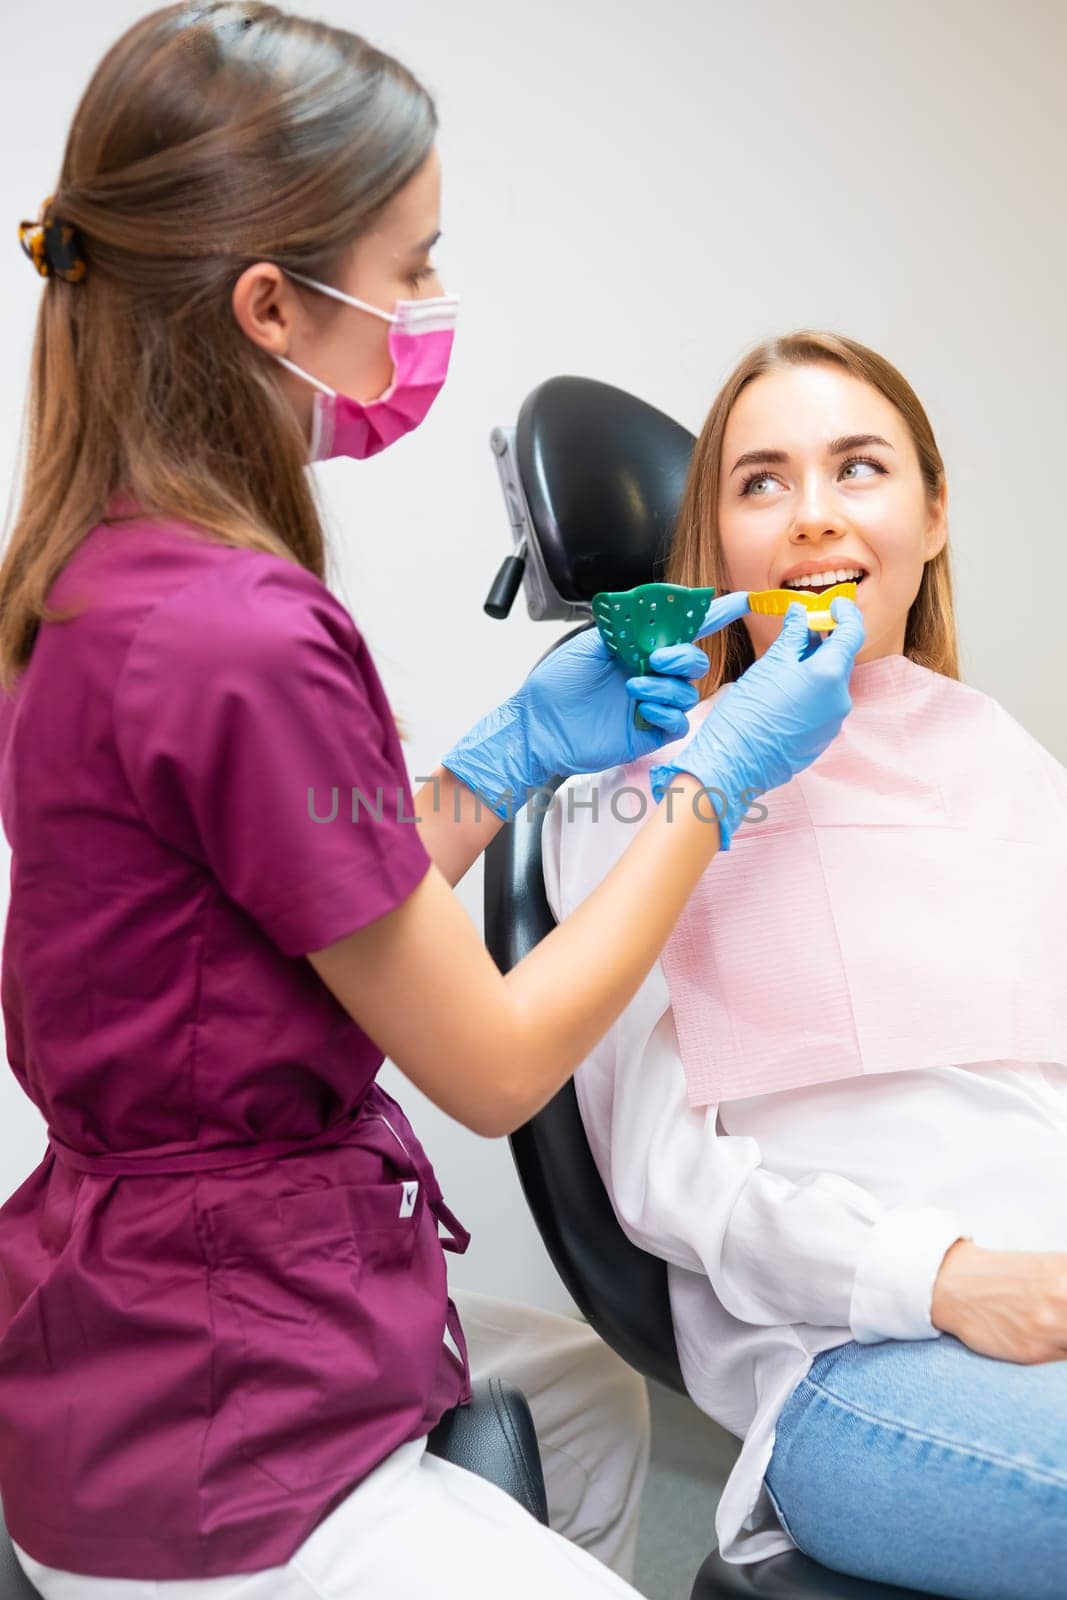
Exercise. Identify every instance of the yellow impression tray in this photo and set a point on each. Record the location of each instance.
(776, 602)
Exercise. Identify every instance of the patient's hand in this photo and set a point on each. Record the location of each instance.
(1009, 1304)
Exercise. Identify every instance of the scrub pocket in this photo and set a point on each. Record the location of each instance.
(304, 1288)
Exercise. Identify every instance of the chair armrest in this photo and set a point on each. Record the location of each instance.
(494, 1437)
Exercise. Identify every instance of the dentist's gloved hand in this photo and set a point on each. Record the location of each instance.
(575, 713)
(775, 720)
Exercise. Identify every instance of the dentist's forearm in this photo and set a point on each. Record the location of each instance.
(454, 825)
(573, 985)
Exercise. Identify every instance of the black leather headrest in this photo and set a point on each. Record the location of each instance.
(603, 474)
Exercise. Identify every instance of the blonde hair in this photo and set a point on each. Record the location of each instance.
(696, 556)
(210, 136)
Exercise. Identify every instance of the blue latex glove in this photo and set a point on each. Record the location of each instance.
(775, 720)
(575, 713)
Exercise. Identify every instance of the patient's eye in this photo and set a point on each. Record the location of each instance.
(755, 485)
(749, 484)
(862, 461)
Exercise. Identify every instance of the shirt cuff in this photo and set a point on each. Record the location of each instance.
(898, 1266)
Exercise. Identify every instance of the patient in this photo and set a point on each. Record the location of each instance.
(837, 1107)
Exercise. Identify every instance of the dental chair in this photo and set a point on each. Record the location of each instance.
(493, 1436)
(592, 479)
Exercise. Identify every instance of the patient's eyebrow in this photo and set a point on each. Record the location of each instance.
(427, 244)
(836, 447)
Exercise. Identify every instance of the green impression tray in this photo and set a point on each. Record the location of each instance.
(634, 622)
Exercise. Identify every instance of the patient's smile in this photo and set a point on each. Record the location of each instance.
(818, 578)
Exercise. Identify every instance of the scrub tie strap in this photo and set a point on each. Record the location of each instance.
(165, 1163)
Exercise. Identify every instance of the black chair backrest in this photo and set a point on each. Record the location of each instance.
(603, 474)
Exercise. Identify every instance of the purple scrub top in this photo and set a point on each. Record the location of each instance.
(223, 1297)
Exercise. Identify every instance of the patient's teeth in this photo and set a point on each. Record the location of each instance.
(822, 580)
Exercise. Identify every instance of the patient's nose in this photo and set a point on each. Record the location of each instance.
(817, 515)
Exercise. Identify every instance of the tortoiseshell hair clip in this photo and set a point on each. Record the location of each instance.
(53, 246)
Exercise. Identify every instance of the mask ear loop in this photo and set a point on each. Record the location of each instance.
(316, 411)
(347, 299)
(324, 387)
(414, 310)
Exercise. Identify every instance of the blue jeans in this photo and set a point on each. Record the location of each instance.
(923, 1464)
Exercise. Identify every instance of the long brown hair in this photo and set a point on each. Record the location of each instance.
(696, 556)
(210, 136)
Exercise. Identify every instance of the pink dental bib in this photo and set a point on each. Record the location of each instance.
(902, 905)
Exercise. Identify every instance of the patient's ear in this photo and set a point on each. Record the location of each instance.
(937, 524)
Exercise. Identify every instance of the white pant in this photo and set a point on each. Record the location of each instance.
(419, 1526)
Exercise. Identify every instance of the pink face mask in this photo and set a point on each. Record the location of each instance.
(420, 343)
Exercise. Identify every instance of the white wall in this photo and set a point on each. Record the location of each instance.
(637, 193)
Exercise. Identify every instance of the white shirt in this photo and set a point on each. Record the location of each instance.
(796, 1221)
